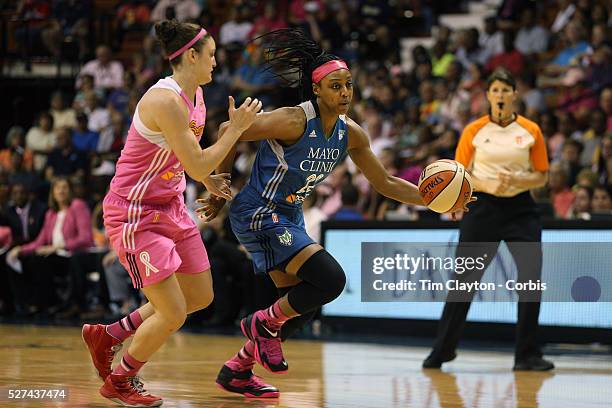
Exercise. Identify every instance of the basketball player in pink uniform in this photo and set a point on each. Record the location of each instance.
(145, 215)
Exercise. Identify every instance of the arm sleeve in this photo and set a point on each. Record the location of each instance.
(538, 155)
(465, 149)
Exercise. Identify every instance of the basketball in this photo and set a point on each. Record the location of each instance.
(445, 186)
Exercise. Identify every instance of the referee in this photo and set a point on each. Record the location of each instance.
(506, 154)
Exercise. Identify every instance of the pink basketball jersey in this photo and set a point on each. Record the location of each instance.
(147, 170)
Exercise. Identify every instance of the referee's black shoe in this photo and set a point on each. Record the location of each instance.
(434, 360)
(534, 363)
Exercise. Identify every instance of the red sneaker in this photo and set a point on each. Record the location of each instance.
(102, 347)
(128, 391)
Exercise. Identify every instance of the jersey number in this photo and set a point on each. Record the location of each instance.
(311, 182)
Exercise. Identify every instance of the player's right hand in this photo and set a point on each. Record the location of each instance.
(243, 117)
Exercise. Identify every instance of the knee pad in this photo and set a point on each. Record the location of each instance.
(324, 272)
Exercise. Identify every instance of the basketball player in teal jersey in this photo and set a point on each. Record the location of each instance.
(301, 146)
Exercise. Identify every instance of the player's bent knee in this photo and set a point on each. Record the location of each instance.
(176, 321)
(202, 302)
(173, 318)
(337, 281)
(323, 271)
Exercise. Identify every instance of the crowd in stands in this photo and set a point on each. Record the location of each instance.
(55, 172)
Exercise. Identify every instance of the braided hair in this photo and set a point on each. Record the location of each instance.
(292, 57)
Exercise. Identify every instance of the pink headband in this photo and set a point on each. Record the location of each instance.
(185, 47)
(331, 66)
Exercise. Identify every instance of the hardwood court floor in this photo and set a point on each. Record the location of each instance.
(321, 375)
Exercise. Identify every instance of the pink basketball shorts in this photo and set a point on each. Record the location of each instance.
(153, 241)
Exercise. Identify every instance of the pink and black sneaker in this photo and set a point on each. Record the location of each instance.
(268, 350)
(245, 383)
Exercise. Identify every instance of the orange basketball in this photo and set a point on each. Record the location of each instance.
(445, 186)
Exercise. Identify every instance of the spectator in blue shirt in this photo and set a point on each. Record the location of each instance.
(83, 139)
(349, 211)
(576, 35)
(64, 160)
(253, 79)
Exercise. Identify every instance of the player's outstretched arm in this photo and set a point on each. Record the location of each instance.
(284, 124)
(386, 184)
(171, 116)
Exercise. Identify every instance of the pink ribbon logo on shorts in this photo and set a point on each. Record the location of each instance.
(146, 260)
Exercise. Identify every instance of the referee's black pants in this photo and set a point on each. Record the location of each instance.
(490, 220)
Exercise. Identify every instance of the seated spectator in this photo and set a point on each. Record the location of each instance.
(19, 173)
(581, 207)
(591, 139)
(86, 86)
(531, 38)
(118, 98)
(586, 178)
(510, 58)
(554, 139)
(236, 30)
(98, 117)
(429, 103)
(143, 74)
(112, 137)
(40, 139)
(15, 144)
(440, 59)
(469, 51)
(349, 211)
(599, 67)
(602, 200)
(561, 196)
(66, 231)
(107, 74)
(251, 79)
(570, 159)
(530, 94)
(602, 157)
(473, 83)
(62, 116)
(64, 160)
(83, 139)
(451, 102)
(24, 216)
(491, 39)
(605, 103)
(272, 19)
(577, 45)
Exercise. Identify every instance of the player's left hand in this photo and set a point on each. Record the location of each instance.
(219, 185)
(210, 207)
